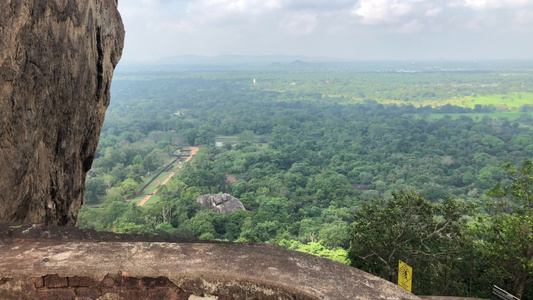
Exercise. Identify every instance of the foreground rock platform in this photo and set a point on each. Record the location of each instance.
(40, 262)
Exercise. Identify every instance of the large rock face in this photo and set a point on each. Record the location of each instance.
(56, 64)
(224, 203)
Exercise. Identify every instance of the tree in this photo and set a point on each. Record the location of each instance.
(407, 228)
(94, 190)
(129, 187)
(205, 135)
(246, 136)
(113, 208)
(507, 237)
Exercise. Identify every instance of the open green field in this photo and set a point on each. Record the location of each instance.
(511, 101)
(153, 200)
(153, 185)
(501, 101)
(163, 176)
(150, 190)
(146, 179)
(232, 139)
(512, 116)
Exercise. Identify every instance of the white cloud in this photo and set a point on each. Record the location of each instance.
(411, 27)
(384, 11)
(157, 28)
(300, 23)
(524, 17)
(219, 10)
(409, 16)
(491, 4)
(177, 26)
(433, 11)
(318, 5)
(138, 8)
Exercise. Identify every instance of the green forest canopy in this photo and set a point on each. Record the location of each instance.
(315, 150)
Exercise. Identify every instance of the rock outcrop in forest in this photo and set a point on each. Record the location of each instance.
(223, 203)
(56, 66)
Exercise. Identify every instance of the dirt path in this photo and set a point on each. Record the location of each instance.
(193, 153)
(230, 178)
(168, 178)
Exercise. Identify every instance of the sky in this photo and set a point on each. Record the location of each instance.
(354, 29)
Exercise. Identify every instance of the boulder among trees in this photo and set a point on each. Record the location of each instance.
(221, 203)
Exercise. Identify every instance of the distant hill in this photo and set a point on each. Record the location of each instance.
(245, 59)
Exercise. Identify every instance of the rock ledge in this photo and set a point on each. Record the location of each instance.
(50, 265)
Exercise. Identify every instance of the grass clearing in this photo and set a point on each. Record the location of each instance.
(227, 139)
(150, 190)
(147, 179)
(230, 178)
(153, 200)
(515, 100)
(234, 139)
(163, 176)
(502, 101)
(512, 116)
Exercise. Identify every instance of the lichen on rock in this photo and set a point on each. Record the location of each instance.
(56, 66)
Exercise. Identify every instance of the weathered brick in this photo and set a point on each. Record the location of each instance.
(108, 281)
(110, 290)
(184, 295)
(127, 281)
(81, 281)
(55, 281)
(88, 292)
(38, 282)
(133, 293)
(151, 282)
(56, 294)
(111, 296)
(163, 293)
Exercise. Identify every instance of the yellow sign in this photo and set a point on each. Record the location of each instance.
(405, 276)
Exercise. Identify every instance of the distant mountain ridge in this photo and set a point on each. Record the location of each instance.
(245, 59)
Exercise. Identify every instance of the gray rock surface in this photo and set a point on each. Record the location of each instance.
(56, 64)
(239, 271)
(221, 203)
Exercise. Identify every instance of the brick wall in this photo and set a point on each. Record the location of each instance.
(55, 287)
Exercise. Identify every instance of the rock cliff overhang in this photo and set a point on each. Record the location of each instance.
(56, 64)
